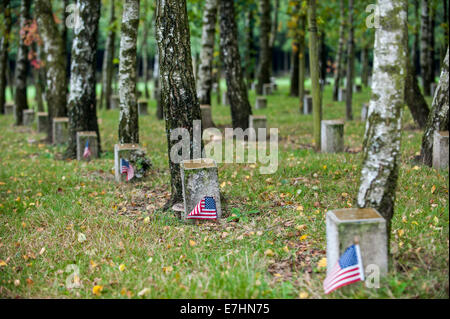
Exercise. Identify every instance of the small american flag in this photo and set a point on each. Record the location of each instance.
(348, 269)
(126, 168)
(205, 209)
(87, 150)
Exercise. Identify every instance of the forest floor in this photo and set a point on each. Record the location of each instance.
(65, 222)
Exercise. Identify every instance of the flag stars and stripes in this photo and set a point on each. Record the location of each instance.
(205, 209)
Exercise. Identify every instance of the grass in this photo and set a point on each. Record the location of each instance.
(57, 216)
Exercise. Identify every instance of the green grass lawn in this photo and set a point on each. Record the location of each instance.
(57, 216)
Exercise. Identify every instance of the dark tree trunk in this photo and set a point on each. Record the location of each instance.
(340, 52)
(82, 98)
(39, 82)
(178, 94)
(207, 53)
(365, 65)
(129, 118)
(350, 64)
(302, 61)
(265, 59)
(273, 31)
(416, 44)
(231, 60)
(55, 63)
(438, 119)
(20, 80)
(295, 64)
(4, 45)
(108, 58)
(322, 59)
(425, 46)
(250, 42)
(145, 69)
(414, 98)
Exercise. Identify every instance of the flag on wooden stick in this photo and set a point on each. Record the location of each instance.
(205, 209)
(87, 150)
(348, 270)
(126, 168)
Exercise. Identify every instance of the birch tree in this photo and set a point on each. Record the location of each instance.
(20, 78)
(438, 119)
(340, 52)
(207, 52)
(231, 61)
(381, 154)
(178, 95)
(129, 121)
(4, 45)
(265, 59)
(425, 45)
(55, 63)
(82, 109)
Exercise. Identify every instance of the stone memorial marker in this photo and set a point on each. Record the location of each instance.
(307, 104)
(366, 224)
(28, 117)
(261, 103)
(115, 102)
(129, 153)
(9, 108)
(440, 150)
(341, 95)
(199, 179)
(332, 136)
(42, 122)
(207, 121)
(60, 130)
(225, 100)
(364, 111)
(267, 89)
(91, 139)
(256, 122)
(143, 107)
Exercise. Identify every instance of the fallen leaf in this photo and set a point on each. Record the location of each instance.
(322, 263)
(122, 267)
(97, 290)
(303, 295)
(192, 243)
(143, 292)
(81, 237)
(269, 253)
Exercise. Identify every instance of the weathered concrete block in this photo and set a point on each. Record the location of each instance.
(82, 138)
(332, 136)
(343, 225)
(127, 152)
(267, 89)
(115, 102)
(307, 104)
(206, 116)
(261, 103)
(341, 94)
(9, 108)
(42, 122)
(143, 107)
(440, 150)
(28, 117)
(364, 112)
(199, 179)
(225, 100)
(60, 130)
(256, 122)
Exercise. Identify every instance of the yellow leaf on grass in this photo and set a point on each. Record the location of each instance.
(433, 189)
(122, 267)
(146, 220)
(303, 237)
(322, 263)
(168, 269)
(3, 263)
(300, 208)
(143, 292)
(303, 295)
(192, 243)
(286, 249)
(97, 290)
(400, 232)
(269, 253)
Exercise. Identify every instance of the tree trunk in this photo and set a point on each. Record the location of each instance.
(55, 63)
(365, 65)
(250, 42)
(432, 21)
(425, 46)
(273, 32)
(231, 60)
(159, 107)
(265, 59)
(178, 94)
(38, 81)
(207, 52)
(20, 80)
(340, 52)
(108, 58)
(82, 98)
(295, 64)
(302, 61)
(416, 44)
(350, 64)
(414, 98)
(129, 118)
(438, 118)
(314, 67)
(379, 171)
(4, 45)
(145, 70)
